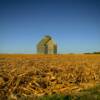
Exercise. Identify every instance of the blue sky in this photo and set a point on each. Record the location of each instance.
(73, 24)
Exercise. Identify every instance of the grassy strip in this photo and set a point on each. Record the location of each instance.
(89, 94)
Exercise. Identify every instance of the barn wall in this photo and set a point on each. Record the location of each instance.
(41, 50)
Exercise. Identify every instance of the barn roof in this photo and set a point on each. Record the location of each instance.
(45, 40)
(51, 42)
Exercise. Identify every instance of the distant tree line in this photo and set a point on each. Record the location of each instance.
(92, 53)
(96, 52)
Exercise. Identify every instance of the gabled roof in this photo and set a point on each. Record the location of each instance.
(44, 40)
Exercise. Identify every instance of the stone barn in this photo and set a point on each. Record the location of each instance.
(47, 46)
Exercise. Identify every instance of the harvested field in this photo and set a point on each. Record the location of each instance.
(28, 76)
